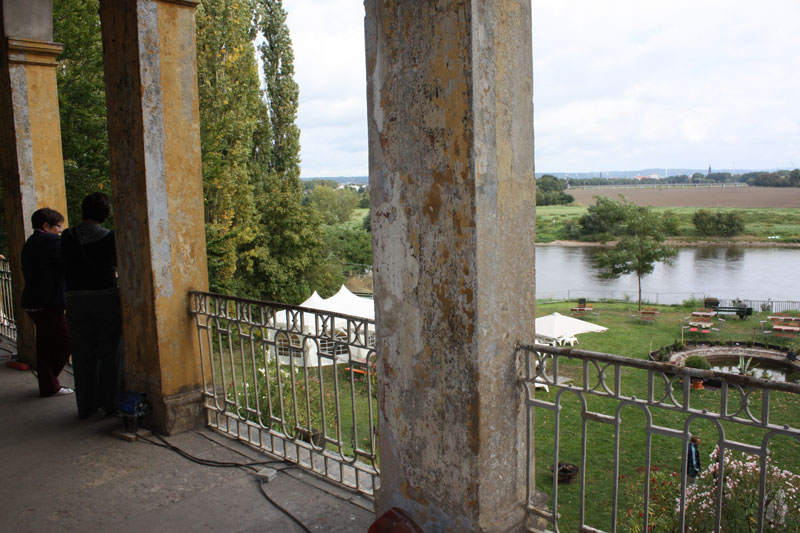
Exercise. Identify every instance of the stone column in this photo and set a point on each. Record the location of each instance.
(449, 87)
(31, 162)
(156, 175)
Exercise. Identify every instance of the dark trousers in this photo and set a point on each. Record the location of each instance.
(52, 348)
(97, 360)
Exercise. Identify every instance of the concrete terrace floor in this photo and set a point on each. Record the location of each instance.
(60, 473)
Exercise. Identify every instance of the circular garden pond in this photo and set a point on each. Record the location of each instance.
(763, 363)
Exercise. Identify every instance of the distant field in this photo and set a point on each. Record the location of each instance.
(781, 197)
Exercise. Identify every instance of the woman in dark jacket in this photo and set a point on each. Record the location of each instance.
(43, 298)
(93, 310)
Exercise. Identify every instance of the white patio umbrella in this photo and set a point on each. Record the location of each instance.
(559, 328)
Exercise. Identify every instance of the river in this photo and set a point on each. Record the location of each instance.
(720, 272)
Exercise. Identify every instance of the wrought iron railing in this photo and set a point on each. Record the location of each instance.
(8, 325)
(296, 382)
(575, 405)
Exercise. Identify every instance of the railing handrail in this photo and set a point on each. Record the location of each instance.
(8, 324)
(276, 374)
(666, 368)
(602, 394)
(251, 301)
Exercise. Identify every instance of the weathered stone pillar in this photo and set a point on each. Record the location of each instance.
(156, 175)
(453, 199)
(30, 135)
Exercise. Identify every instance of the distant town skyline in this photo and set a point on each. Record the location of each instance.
(617, 84)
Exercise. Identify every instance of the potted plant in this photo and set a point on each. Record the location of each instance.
(699, 362)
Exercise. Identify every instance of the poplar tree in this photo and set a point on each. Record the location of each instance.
(285, 259)
(261, 240)
(229, 106)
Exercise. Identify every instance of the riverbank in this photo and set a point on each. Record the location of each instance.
(745, 242)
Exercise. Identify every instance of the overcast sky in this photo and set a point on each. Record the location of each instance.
(618, 84)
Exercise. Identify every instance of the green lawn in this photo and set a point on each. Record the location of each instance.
(625, 336)
(357, 219)
(628, 337)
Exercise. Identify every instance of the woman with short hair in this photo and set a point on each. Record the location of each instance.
(43, 298)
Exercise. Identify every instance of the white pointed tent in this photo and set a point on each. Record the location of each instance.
(344, 302)
(558, 329)
(304, 349)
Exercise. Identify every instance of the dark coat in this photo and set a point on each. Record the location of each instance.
(89, 263)
(43, 270)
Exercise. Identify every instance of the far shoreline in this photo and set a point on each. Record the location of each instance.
(680, 244)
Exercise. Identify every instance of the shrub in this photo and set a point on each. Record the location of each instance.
(670, 222)
(721, 223)
(697, 361)
(693, 303)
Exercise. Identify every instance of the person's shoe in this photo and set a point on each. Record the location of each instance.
(63, 391)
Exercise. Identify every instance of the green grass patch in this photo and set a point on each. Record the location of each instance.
(626, 336)
(357, 219)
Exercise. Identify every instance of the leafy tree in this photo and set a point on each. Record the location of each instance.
(282, 92)
(363, 201)
(670, 222)
(603, 220)
(721, 223)
(720, 177)
(349, 244)
(550, 183)
(308, 185)
(285, 259)
(334, 206)
(781, 178)
(81, 100)
(553, 198)
(638, 250)
(549, 191)
(261, 241)
(229, 110)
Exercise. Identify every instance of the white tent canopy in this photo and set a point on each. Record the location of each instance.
(558, 328)
(304, 349)
(313, 301)
(344, 302)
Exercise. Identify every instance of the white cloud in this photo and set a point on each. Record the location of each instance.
(328, 39)
(618, 84)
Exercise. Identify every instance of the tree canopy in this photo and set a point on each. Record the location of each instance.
(261, 241)
(720, 223)
(640, 247)
(335, 206)
(81, 101)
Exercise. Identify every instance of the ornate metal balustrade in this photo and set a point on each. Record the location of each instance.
(8, 326)
(741, 414)
(295, 382)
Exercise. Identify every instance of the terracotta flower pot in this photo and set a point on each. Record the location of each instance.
(697, 384)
